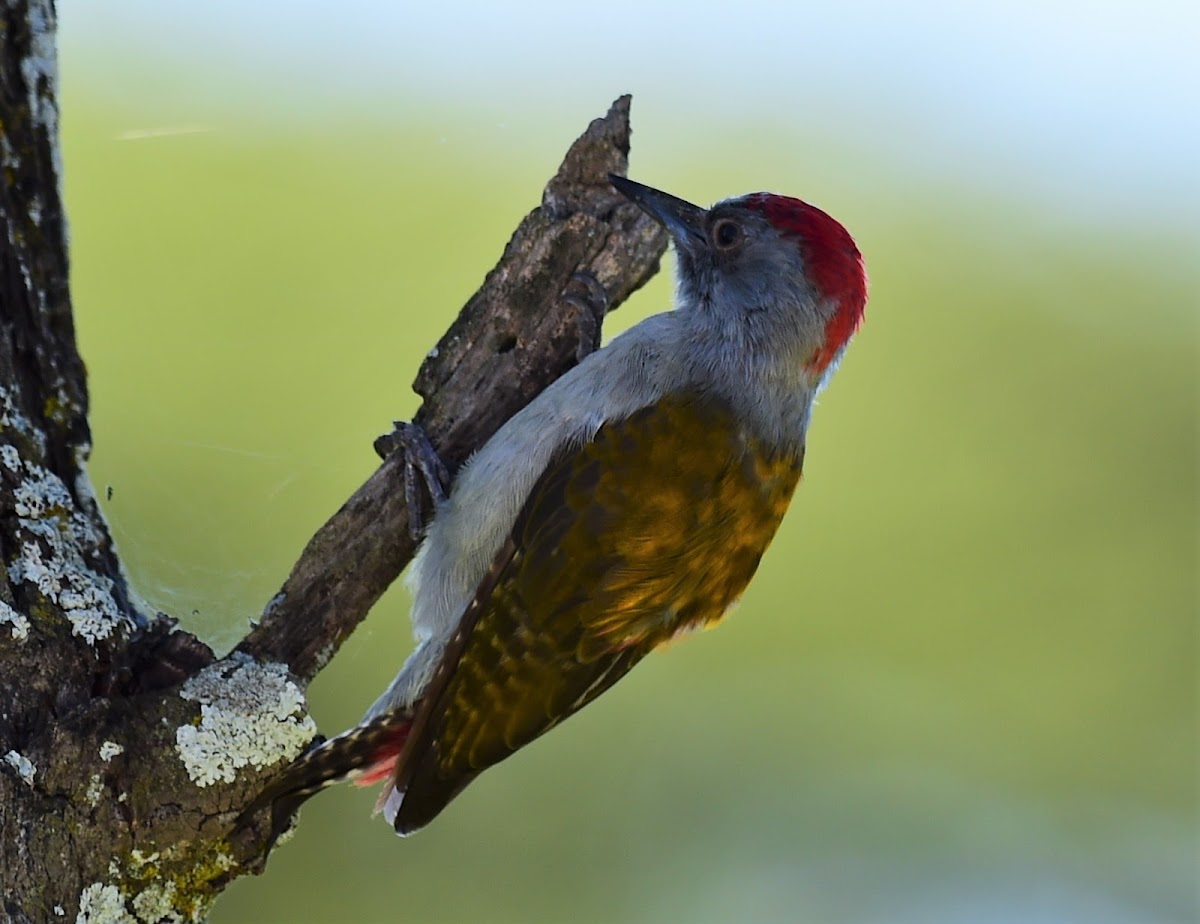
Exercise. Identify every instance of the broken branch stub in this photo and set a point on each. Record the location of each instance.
(514, 337)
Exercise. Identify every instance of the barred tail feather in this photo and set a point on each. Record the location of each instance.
(363, 755)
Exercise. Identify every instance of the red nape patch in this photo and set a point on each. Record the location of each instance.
(832, 261)
(383, 761)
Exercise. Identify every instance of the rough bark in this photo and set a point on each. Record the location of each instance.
(514, 337)
(126, 751)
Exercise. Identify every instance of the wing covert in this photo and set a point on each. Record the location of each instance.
(653, 527)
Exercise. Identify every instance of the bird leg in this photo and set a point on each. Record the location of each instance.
(587, 301)
(420, 458)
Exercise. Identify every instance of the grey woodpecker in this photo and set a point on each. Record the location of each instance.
(629, 502)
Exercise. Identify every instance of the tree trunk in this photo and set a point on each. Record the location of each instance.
(126, 749)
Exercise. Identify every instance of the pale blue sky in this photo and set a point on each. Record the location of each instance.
(1095, 102)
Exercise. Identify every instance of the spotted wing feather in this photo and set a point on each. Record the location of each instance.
(653, 527)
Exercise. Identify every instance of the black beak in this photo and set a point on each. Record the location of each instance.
(683, 221)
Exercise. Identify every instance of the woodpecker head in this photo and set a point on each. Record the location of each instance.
(773, 274)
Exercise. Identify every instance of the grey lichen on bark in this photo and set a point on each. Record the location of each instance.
(126, 750)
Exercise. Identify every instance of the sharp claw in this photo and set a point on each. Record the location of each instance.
(587, 297)
(385, 445)
(598, 293)
(419, 458)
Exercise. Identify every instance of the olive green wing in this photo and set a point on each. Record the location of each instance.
(653, 527)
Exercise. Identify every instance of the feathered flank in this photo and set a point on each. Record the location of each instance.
(630, 502)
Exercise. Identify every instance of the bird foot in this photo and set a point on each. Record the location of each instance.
(588, 302)
(420, 459)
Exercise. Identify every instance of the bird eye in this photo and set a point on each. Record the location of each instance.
(726, 234)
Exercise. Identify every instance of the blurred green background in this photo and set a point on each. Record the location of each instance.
(962, 687)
